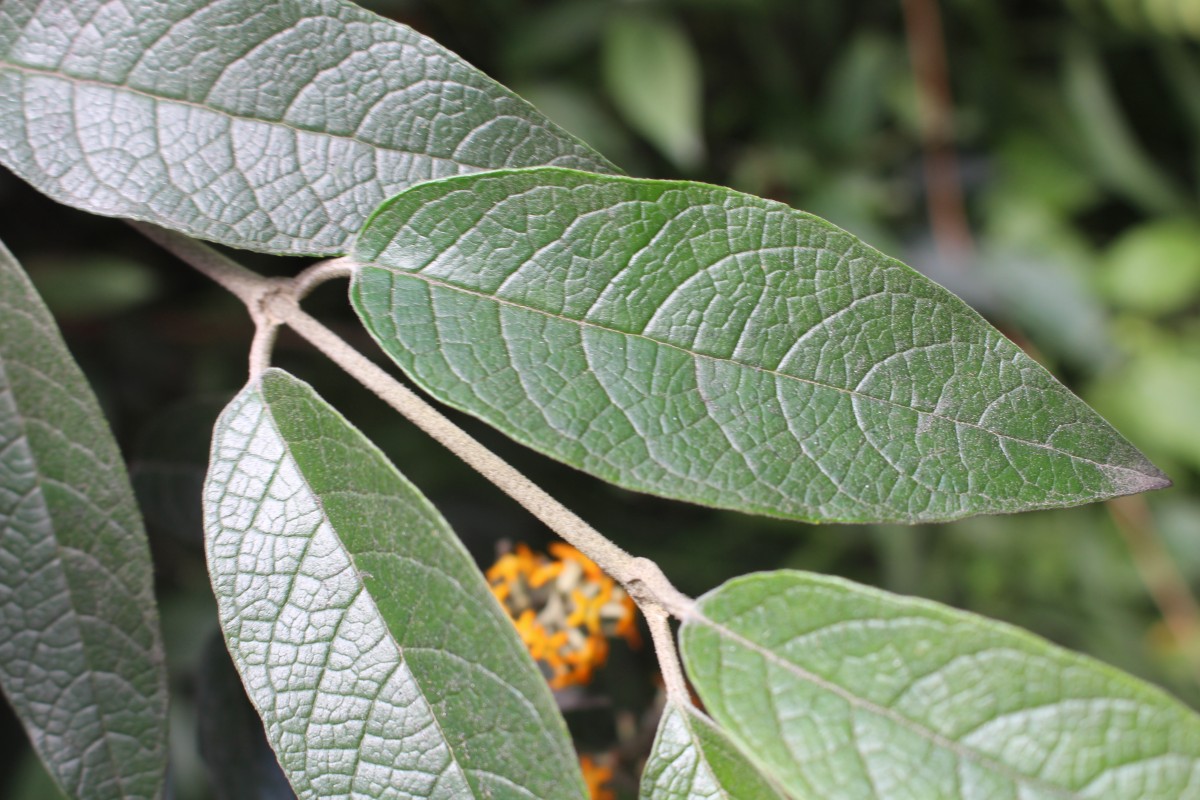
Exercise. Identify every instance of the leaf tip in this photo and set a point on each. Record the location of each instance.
(1135, 480)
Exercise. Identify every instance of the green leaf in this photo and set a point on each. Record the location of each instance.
(692, 758)
(366, 637)
(81, 659)
(29, 781)
(653, 75)
(844, 691)
(271, 126)
(93, 287)
(1107, 138)
(690, 341)
(1155, 267)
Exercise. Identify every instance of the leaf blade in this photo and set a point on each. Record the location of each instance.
(275, 128)
(397, 615)
(692, 758)
(882, 696)
(81, 656)
(690, 341)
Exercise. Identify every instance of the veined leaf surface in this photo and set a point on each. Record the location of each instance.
(367, 639)
(843, 691)
(692, 758)
(271, 126)
(81, 658)
(694, 342)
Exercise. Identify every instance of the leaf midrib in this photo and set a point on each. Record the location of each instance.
(463, 769)
(397, 273)
(269, 416)
(212, 109)
(117, 774)
(701, 755)
(960, 750)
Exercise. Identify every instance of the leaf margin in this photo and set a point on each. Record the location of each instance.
(552, 723)
(1139, 475)
(1145, 692)
(26, 160)
(117, 548)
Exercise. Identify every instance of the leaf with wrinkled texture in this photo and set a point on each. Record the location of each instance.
(366, 637)
(81, 658)
(692, 758)
(694, 342)
(270, 126)
(844, 691)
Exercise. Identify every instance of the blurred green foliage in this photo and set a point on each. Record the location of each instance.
(1077, 126)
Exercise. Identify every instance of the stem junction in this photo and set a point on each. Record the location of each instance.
(273, 302)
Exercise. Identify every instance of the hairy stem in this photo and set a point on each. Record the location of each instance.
(273, 301)
(244, 284)
(659, 622)
(645, 581)
(322, 271)
(262, 346)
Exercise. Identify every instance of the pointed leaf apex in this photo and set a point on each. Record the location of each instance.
(697, 343)
(1134, 480)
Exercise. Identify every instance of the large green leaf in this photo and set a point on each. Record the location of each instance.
(272, 126)
(698, 343)
(843, 691)
(81, 659)
(367, 639)
(692, 758)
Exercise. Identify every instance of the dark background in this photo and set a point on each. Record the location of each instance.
(1041, 159)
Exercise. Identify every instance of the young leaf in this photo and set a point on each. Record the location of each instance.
(1107, 139)
(81, 659)
(271, 126)
(653, 74)
(690, 341)
(692, 758)
(843, 691)
(367, 639)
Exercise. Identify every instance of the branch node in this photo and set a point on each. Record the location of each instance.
(273, 300)
(648, 587)
(276, 301)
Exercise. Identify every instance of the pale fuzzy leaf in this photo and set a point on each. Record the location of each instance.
(843, 691)
(692, 759)
(367, 639)
(272, 126)
(81, 658)
(694, 342)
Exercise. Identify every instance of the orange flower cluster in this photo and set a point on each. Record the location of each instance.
(596, 776)
(563, 606)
